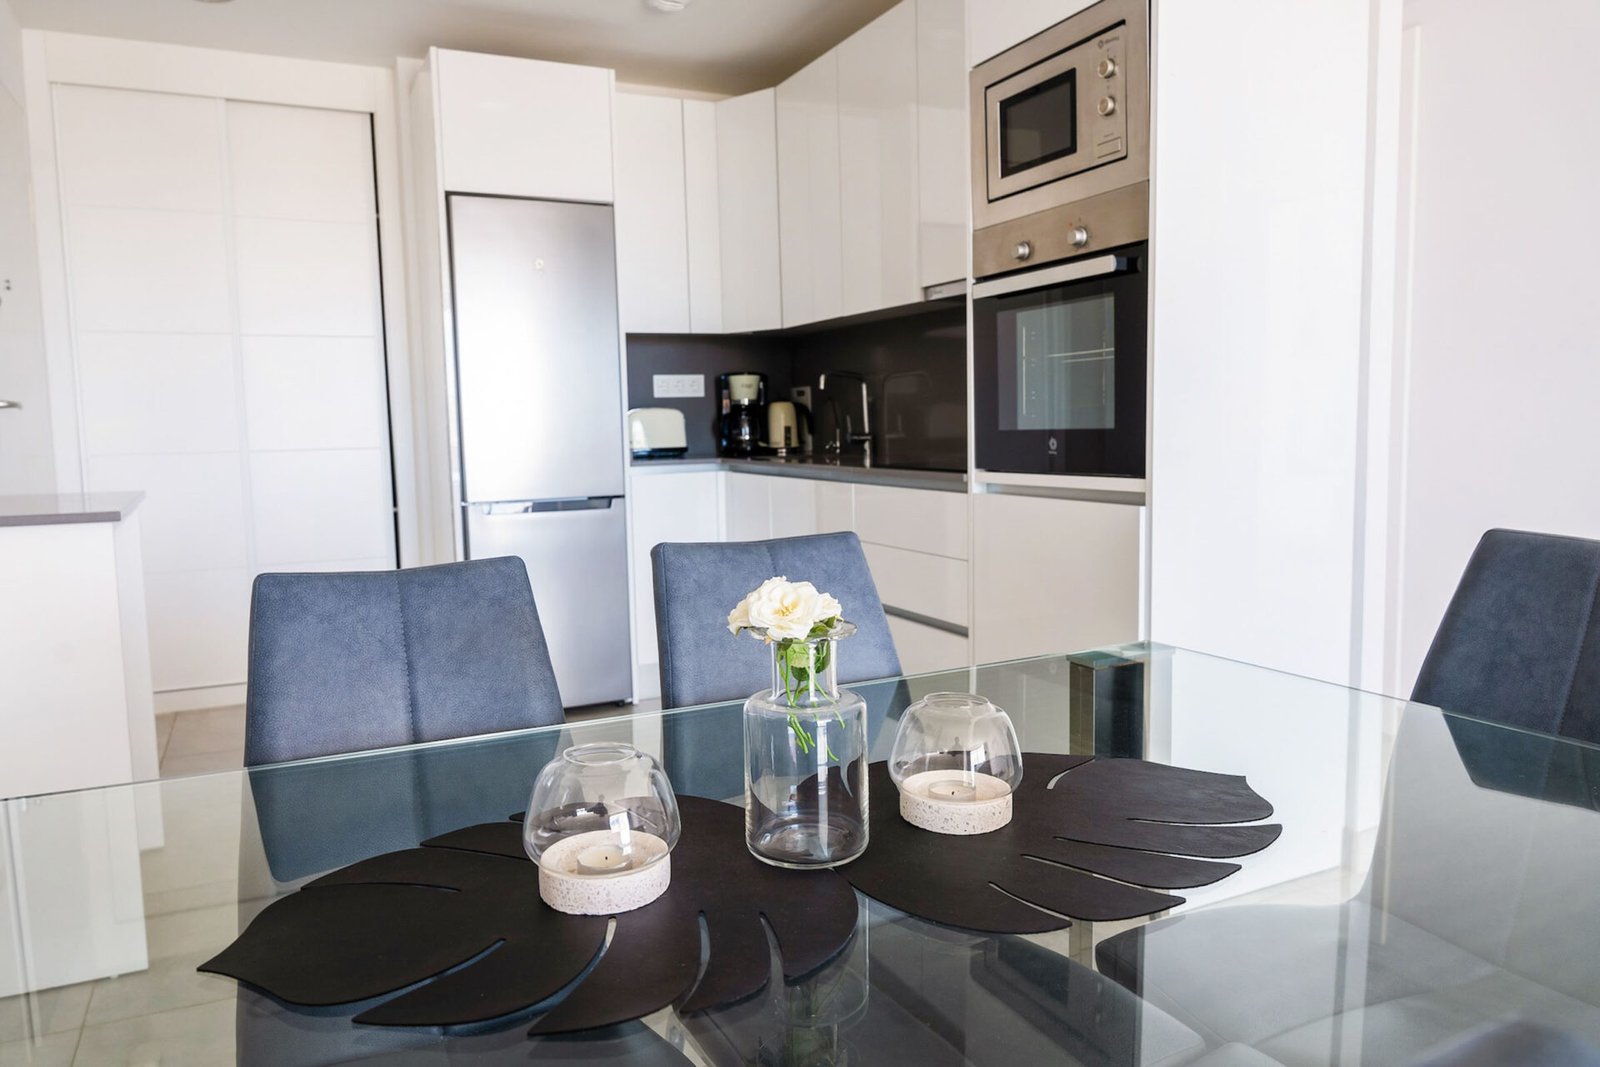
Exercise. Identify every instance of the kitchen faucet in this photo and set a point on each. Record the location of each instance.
(864, 438)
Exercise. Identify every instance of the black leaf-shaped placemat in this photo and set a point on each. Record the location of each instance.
(462, 915)
(1085, 835)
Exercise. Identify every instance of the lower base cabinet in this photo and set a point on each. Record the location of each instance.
(667, 507)
(925, 648)
(1052, 575)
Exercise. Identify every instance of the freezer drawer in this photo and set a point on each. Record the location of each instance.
(577, 557)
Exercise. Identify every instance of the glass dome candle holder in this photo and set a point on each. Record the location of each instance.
(601, 825)
(956, 762)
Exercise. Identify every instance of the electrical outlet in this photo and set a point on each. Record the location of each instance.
(667, 386)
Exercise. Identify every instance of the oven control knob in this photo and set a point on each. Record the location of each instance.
(1078, 236)
(1107, 67)
(1024, 249)
(1107, 105)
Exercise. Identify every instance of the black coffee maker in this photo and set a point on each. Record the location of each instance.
(743, 416)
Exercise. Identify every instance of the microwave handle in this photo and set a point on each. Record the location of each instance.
(1064, 272)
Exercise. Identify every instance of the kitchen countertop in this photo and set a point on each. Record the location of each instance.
(848, 469)
(52, 509)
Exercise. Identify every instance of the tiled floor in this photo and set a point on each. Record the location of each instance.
(199, 742)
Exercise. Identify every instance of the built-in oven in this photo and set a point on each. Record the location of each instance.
(1059, 368)
(1060, 120)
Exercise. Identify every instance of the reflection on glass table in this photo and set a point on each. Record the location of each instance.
(1434, 877)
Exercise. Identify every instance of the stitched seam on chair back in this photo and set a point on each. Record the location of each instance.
(1583, 646)
(405, 658)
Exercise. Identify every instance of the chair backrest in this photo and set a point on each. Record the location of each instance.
(696, 585)
(341, 662)
(1520, 641)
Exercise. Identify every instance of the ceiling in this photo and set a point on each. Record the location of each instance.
(713, 46)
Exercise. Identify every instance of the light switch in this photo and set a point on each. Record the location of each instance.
(678, 385)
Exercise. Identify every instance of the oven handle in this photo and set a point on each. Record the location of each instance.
(1039, 279)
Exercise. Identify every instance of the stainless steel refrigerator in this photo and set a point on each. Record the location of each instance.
(539, 410)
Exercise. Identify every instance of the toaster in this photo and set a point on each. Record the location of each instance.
(654, 433)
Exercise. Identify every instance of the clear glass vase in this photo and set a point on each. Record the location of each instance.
(805, 759)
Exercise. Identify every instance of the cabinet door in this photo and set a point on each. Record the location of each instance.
(652, 220)
(701, 201)
(747, 506)
(747, 181)
(878, 162)
(808, 193)
(943, 172)
(925, 648)
(794, 506)
(1053, 575)
(666, 508)
(923, 520)
(524, 127)
(836, 507)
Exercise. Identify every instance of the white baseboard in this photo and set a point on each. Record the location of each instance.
(211, 696)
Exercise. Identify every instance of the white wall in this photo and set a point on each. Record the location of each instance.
(1257, 332)
(26, 453)
(1500, 334)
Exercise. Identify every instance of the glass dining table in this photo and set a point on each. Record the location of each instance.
(1433, 889)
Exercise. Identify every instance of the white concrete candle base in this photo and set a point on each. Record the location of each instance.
(565, 888)
(939, 801)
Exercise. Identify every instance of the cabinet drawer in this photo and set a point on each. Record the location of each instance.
(935, 586)
(922, 520)
(925, 648)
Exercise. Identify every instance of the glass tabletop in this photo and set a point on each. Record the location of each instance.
(1433, 882)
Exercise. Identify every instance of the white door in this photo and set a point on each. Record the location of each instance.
(26, 460)
(228, 337)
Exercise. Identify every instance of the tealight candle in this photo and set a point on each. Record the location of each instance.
(953, 789)
(603, 859)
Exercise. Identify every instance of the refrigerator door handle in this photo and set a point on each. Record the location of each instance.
(532, 507)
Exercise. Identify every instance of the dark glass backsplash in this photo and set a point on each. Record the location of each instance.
(915, 366)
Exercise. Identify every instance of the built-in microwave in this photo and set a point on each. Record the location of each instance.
(1059, 368)
(1061, 140)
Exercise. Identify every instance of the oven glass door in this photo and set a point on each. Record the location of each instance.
(1059, 376)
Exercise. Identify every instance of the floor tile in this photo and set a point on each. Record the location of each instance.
(165, 986)
(163, 732)
(215, 730)
(47, 1012)
(201, 763)
(207, 930)
(200, 1036)
(52, 1050)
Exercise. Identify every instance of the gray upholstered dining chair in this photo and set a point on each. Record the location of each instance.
(696, 585)
(342, 662)
(1520, 642)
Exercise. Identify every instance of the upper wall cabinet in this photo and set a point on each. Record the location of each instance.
(703, 208)
(878, 162)
(809, 228)
(747, 182)
(995, 25)
(943, 169)
(652, 215)
(523, 127)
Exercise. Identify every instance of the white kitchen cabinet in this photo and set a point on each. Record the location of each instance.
(878, 162)
(995, 25)
(923, 520)
(933, 586)
(809, 193)
(1052, 575)
(523, 127)
(927, 648)
(943, 169)
(652, 215)
(702, 207)
(747, 506)
(793, 506)
(836, 507)
(747, 183)
(667, 507)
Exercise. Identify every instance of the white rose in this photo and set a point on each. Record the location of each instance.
(784, 609)
(827, 607)
(739, 617)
